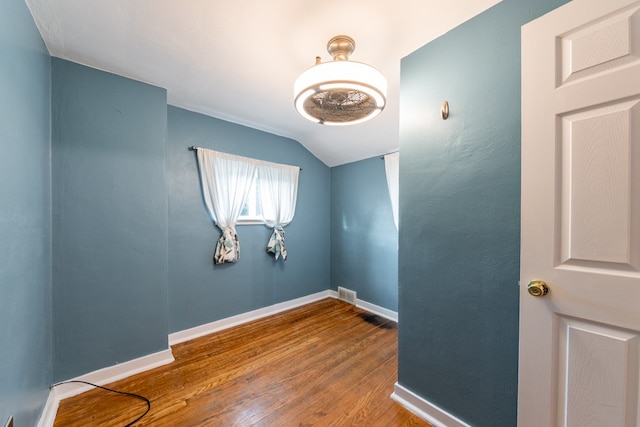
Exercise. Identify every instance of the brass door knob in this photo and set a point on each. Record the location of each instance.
(537, 288)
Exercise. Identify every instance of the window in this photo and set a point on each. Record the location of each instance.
(252, 209)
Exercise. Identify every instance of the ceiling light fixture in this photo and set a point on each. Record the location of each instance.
(340, 92)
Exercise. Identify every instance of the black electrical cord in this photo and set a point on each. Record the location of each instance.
(137, 396)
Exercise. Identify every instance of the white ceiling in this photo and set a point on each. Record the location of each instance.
(237, 59)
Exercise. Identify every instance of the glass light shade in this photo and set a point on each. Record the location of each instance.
(340, 93)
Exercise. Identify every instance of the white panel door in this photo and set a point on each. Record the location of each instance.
(580, 343)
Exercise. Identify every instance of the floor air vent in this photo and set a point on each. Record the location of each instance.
(347, 295)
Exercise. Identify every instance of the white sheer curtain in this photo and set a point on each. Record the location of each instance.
(392, 170)
(226, 180)
(278, 195)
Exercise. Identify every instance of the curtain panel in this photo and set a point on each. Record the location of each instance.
(226, 180)
(278, 195)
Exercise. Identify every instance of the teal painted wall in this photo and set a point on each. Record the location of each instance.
(201, 292)
(25, 206)
(460, 216)
(110, 226)
(364, 239)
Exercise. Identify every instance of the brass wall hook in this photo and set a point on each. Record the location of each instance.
(444, 110)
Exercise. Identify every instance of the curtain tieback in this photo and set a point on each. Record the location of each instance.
(229, 229)
(276, 245)
(228, 247)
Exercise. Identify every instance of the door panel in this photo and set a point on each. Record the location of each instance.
(599, 376)
(597, 203)
(601, 45)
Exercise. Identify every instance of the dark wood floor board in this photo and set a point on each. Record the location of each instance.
(323, 364)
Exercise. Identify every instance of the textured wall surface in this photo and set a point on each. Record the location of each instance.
(201, 292)
(109, 219)
(364, 239)
(25, 212)
(460, 216)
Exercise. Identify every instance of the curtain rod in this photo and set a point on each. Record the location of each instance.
(195, 147)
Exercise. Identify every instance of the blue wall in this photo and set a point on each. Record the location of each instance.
(460, 216)
(109, 219)
(200, 292)
(25, 206)
(364, 239)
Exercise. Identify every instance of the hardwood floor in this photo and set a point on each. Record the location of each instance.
(322, 364)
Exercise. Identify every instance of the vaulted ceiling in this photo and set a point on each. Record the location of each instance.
(238, 59)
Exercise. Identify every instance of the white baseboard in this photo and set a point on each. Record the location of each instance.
(114, 373)
(425, 409)
(100, 377)
(48, 416)
(376, 309)
(372, 308)
(218, 325)
(229, 322)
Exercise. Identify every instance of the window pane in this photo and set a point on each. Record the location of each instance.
(251, 210)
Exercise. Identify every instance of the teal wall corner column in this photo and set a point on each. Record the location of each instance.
(364, 239)
(109, 218)
(26, 333)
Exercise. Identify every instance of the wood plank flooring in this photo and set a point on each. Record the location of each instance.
(322, 364)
